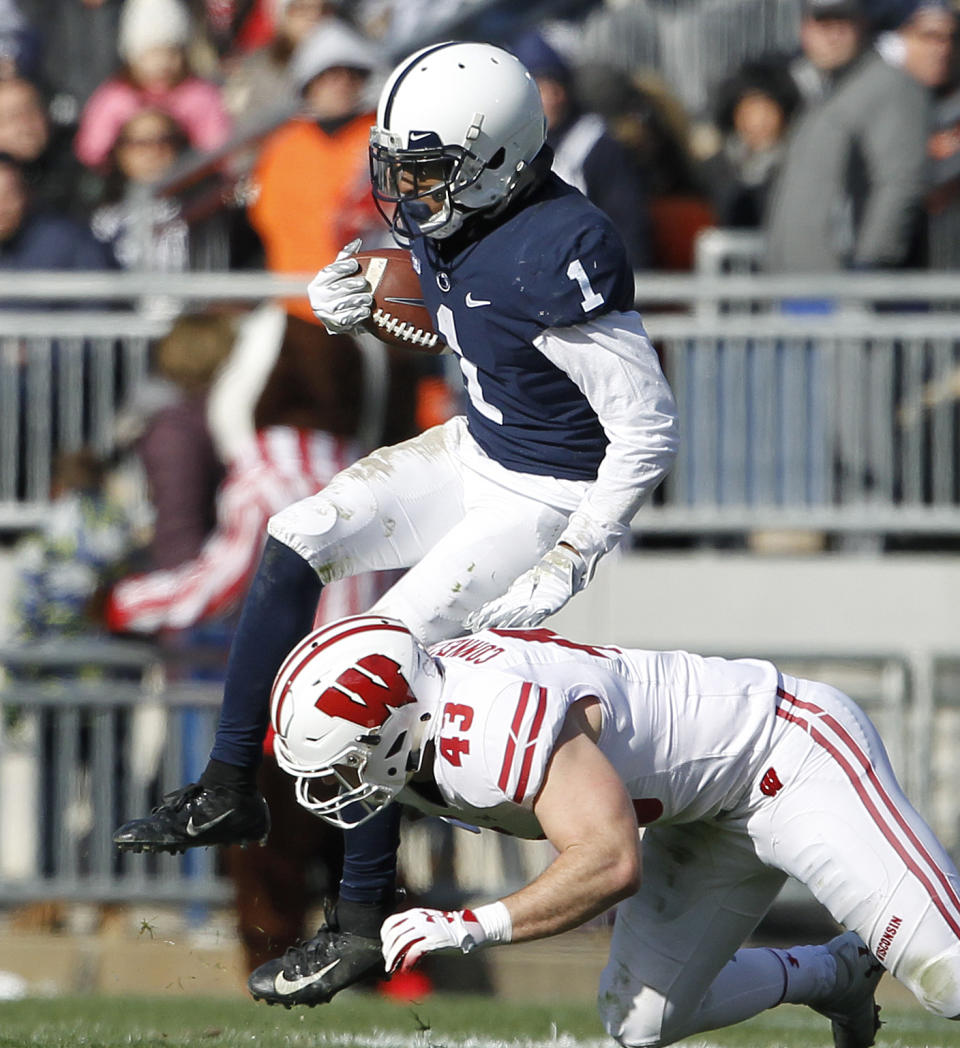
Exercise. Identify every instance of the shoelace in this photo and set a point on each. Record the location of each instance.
(178, 799)
(303, 955)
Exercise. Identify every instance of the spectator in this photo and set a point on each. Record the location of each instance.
(145, 230)
(83, 545)
(227, 28)
(20, 43)
(645, 116)
(754, 109)
(55, 178)
(585, 154)
(36, 239)
(851, 188)
(943, 201)
(833, 33)
(922, 42)
(152, 42)
(311, 178)
(258, 84)
(79, 39)
(167, 422)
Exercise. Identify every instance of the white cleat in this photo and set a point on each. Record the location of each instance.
(850, 1007)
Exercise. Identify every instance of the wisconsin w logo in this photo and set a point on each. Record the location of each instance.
(770, 784)
(367, 692)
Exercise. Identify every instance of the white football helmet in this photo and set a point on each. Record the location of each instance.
(350, 707)
(459, 123)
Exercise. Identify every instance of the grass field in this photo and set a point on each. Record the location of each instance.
(367, 1021)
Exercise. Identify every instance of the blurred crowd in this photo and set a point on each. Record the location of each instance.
(179, 135)
(185, 135)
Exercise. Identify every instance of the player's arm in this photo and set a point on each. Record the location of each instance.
(616, 368)
(586, 814)
(613, 364)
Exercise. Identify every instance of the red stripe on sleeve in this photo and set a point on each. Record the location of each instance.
(504, 779)
(531, 746)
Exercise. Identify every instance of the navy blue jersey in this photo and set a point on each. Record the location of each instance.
(555, 262)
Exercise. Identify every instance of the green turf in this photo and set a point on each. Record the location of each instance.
(367, 1021)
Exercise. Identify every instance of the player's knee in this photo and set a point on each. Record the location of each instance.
(631, 1015)
(935, 983)
(313, 526)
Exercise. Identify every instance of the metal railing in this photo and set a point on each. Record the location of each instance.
(805, 401)
(93, 734)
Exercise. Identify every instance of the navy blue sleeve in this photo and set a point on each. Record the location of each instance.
(579, 272)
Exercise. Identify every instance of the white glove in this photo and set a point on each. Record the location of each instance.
(537, 593)
(407, 936)
(340, 300)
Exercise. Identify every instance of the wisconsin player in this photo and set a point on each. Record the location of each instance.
(500, 515)
(741, 774)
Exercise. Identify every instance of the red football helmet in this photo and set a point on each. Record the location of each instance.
(350, 707)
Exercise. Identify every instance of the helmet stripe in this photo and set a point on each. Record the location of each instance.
(320, 631)
(388, 108)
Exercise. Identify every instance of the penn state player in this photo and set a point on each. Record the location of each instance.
(742, 775)
(501, 515)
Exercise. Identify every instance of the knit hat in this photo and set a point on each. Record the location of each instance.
(152, 23)
(846, 9)
(540, 58)
(331, 44)
(897, 13)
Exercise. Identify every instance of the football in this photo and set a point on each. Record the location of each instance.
(399, 315)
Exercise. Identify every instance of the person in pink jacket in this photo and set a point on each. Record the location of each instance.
(152, 43)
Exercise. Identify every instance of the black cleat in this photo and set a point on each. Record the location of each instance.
(196, 816)
(311, 973)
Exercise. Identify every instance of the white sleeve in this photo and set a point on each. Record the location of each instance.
(616, 368)
(239, 383)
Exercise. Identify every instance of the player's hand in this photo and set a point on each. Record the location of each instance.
(538, 592)
(407, 936)
(340, 298)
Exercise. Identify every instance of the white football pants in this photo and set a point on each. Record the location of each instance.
(465, 526)
(827, 810)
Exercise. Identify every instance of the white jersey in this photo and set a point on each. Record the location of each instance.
(687, 734)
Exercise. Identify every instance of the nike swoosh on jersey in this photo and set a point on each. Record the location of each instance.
(288, 986)
(195, 831)
(472, 302)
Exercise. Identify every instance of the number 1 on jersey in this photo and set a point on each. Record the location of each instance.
(448, 329)
(591, 299)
